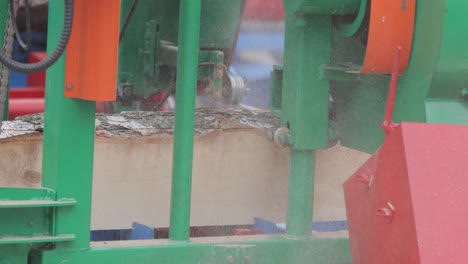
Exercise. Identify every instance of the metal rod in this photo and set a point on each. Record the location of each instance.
(300, 193)
(187, 65)
(388, 124)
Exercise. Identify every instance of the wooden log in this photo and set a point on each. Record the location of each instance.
(238, 173)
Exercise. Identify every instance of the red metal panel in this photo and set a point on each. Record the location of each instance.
(37, 79)
(437, 165)
(25, 106)
(414, 210)
(28, 92)
(264, 10)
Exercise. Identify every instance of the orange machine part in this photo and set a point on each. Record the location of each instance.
(391, 25)
(92, 52)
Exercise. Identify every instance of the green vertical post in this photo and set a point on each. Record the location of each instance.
(305, 96)
(3, 23)
(187, 65)
(305, 100)
(68, 145)
(6, 105)
(300, 193)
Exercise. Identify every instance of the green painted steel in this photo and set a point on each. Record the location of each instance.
(276, 87)
(266, 249)
(30, 198)
(219, 22)
(351, 29)
(184, 119)
(447, 111)
(300, 193)
(360, 103)
(322, 7)
(68, 146)
(3, 23)
(414, 85)
(14, 254)
(13, 240)
(305, 95)
(447, 98)
(148, 50)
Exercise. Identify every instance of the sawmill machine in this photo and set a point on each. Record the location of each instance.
(148, 53)
(351, 68)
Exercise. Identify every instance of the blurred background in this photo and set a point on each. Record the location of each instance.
(260, 45)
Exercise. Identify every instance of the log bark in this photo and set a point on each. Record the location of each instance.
(238, 173)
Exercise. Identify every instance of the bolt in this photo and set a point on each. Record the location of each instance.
(282, 137)
(69, 86)
(464, 93)
(30, 223)
(386, 212)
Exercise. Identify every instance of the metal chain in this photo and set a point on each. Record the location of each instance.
(8, 49)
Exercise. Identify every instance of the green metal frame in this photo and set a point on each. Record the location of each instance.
(53, 224)
(148, 50)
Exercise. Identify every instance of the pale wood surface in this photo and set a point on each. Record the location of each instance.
(238, 173)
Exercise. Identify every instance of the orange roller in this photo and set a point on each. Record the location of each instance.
(92, 52)
(391, 25)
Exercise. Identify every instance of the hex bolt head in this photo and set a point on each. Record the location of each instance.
(69, 87)
(464, 93)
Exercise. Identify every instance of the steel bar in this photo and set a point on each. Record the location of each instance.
(187, 64)
(300, 193)
(268, 249)
(303, 86)
(68, 145)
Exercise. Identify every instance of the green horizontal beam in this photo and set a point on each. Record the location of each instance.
(27, 194)
(264, 249)
(36, 203)
(35, 239)
(322, 7)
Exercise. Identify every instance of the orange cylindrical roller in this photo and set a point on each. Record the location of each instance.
(391, 25)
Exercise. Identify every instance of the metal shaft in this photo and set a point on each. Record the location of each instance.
(67, 165)
(187, 63)
(301, 186)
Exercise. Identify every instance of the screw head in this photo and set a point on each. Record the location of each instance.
(69, 87)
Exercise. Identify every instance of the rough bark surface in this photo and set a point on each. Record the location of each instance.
(137, 124)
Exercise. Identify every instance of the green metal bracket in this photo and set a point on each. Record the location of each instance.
(31, 198)
(211, 68)
(150, 49)
(276, 89)
(28, 216)
(341, 73)
(302, 87)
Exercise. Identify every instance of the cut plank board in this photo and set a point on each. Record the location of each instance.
(238, 173)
